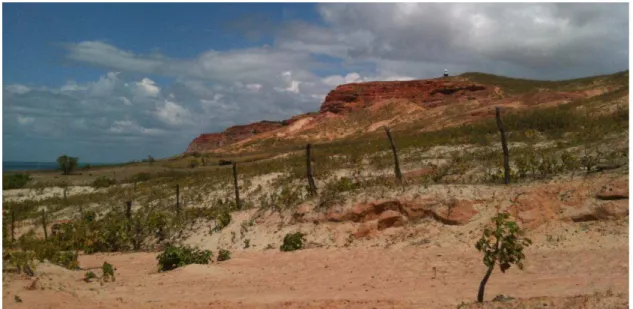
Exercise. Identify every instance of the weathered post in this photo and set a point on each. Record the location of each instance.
(128, 215)
(178, 199)
(237, 189)
(12, 223)
(128, 210)
(311, 186)
(504, 146)
(395, 156)
(44, 224)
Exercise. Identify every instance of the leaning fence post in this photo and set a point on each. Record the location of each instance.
(237, 189)
(44, 224)
(12, 223)
(311, 186)
(395, 156)
(178, 199)
(128, 215)
(504, 146)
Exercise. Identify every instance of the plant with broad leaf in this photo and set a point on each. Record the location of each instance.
(503, 244)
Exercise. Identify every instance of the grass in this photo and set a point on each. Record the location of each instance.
(515, 86)
(14, 180)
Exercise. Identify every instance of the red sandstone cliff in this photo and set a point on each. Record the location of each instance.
(350, 97)
(427, 93)
(233, 134)
(392, 103)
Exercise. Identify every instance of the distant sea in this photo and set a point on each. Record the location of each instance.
(33, 166)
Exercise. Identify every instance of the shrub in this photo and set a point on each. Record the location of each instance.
(293, 241)
(503, 243)
(108, 271)
(141, 177)
(15, 181)
(173, 257)
(224, 255)
(24, 261)
(89, 276)
(223, 220)
(66, 259)
(103, 182)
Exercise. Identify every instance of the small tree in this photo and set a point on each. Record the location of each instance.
(507, 248)
(150, 159)
(67, 164)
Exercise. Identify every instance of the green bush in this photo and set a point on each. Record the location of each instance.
(57, 250)
(15, 181)
(223, 220)
(24, 261)
(103, 182)
(66, 259)
(173, 257)
(89, 276)
(224, 255)
(293, 241)
(108, 271)
(141, 177)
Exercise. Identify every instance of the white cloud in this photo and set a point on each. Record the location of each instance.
(71, 86)
(147, 87)
(335, 80)
(254, 87)
(25, 120)
(17, 89)
(129, 127)
(126, 101)
(173, 114)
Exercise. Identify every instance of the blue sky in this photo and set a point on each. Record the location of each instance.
(119, 81)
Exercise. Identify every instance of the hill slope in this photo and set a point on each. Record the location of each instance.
(354, 110)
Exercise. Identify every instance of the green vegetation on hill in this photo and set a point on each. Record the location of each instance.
(514, 86)
(14, 180)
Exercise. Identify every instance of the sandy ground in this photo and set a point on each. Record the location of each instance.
(322, 278)
(421, 264)
(19, 195)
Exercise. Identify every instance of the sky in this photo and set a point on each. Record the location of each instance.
(115, 82)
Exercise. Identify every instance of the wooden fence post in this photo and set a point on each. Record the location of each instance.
(44, 224)
(311, 186)
(128, 215)
(178, 199)
(237, 189)
(395, 156)
(504, 146)
(12, 223)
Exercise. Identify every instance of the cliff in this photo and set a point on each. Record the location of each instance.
(360, 108)
(427, 93)
(350, 97)
(233, 134)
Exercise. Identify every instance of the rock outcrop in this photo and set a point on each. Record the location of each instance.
(427, 93)
(349, 97)
(233, 134)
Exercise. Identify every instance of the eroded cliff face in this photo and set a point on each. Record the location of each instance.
(350, 97)
(210, 141)
(427, 93)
